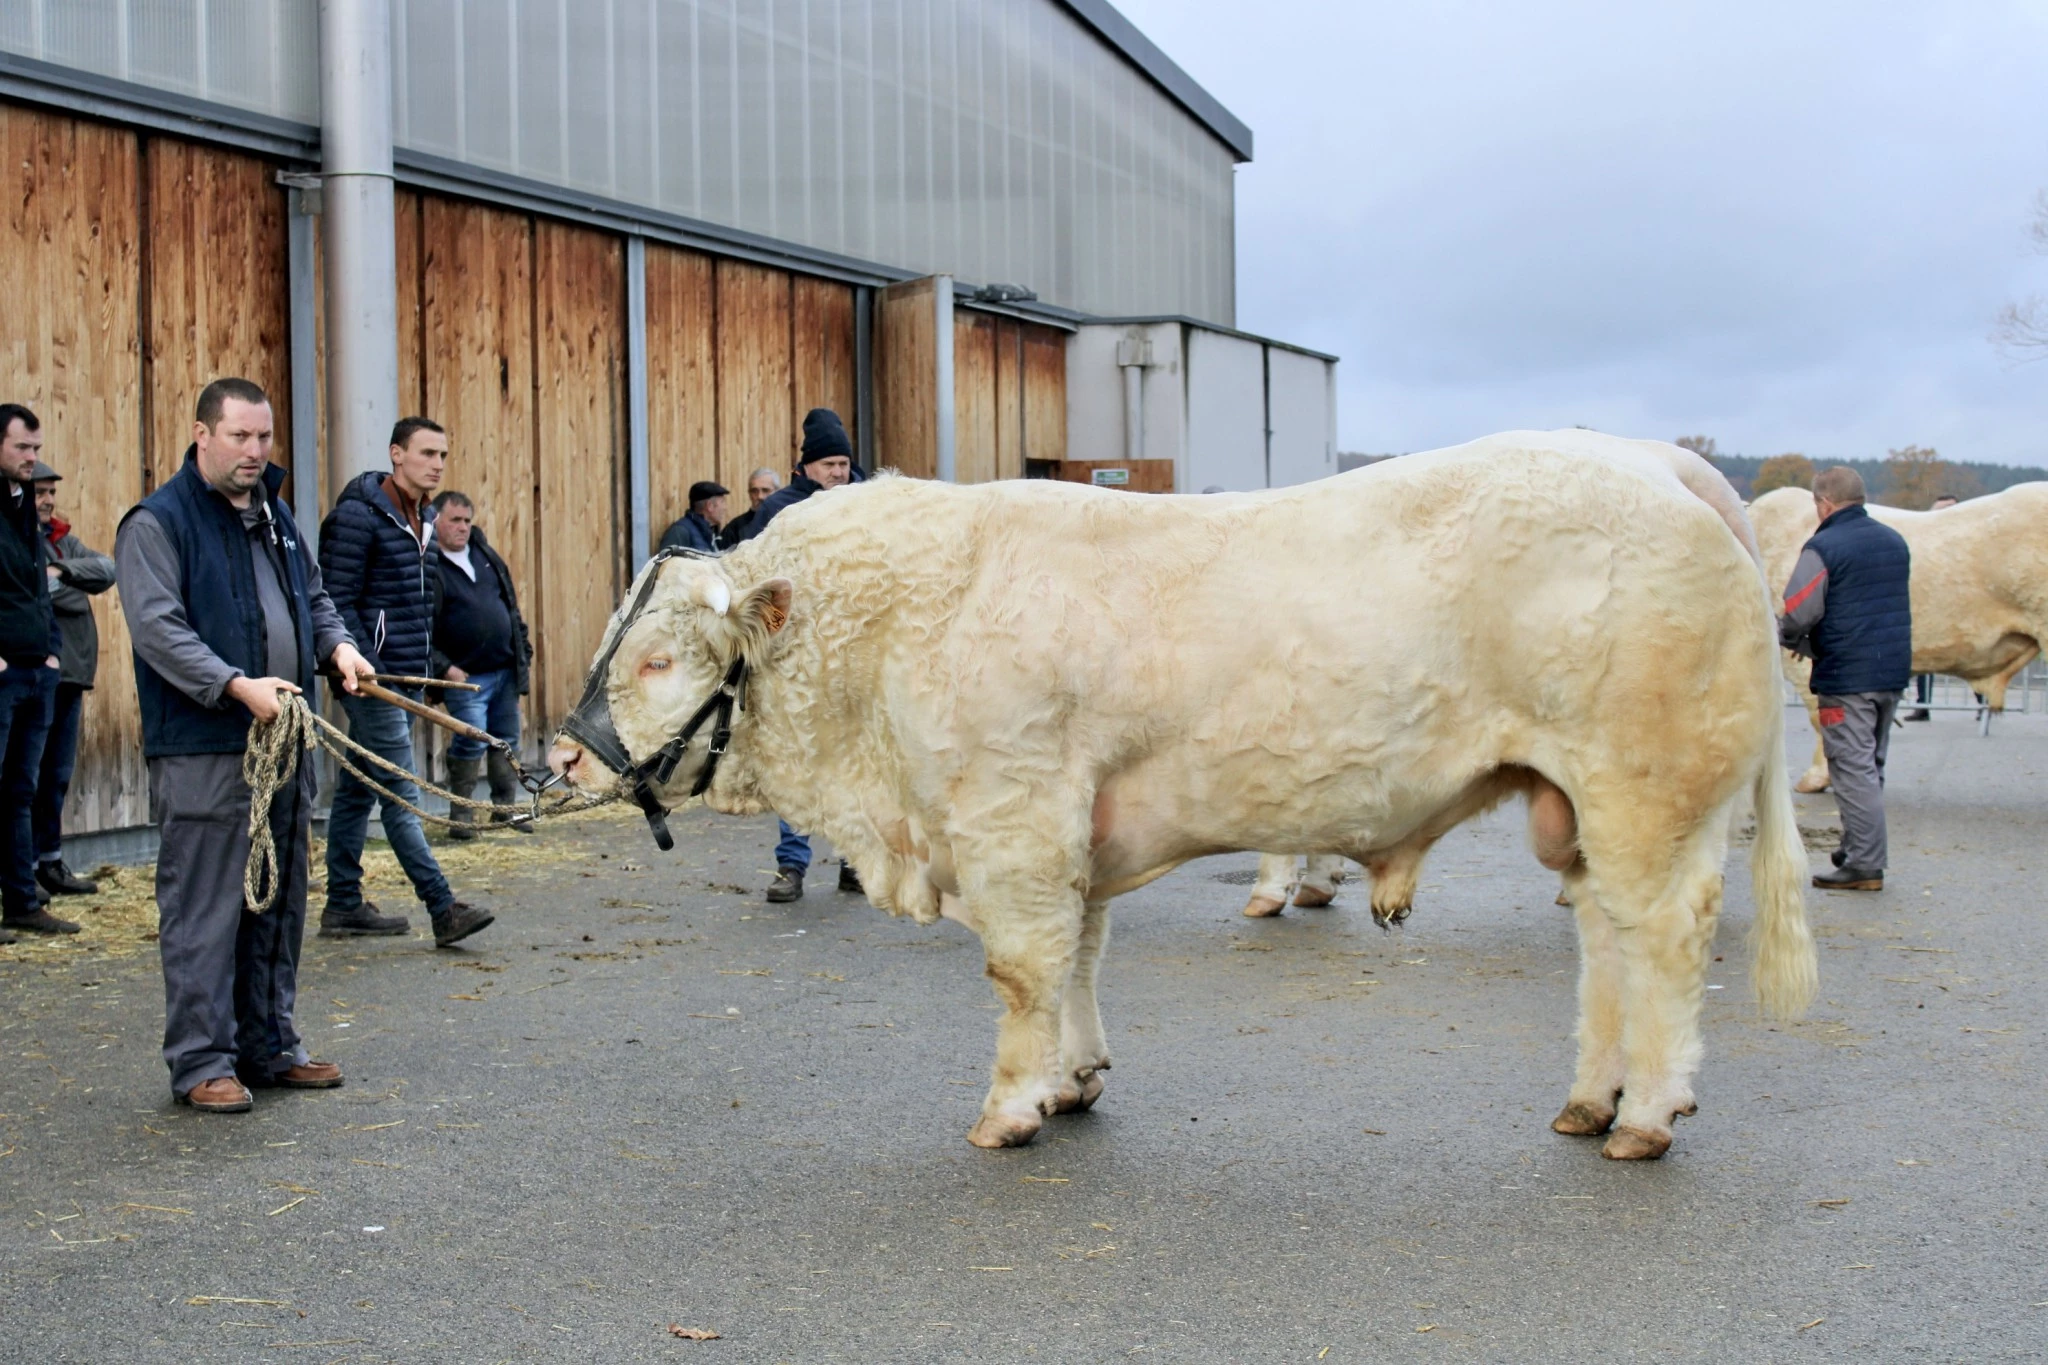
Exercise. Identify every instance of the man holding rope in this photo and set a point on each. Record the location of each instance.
(226, 610)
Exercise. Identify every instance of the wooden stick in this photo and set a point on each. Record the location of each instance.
(405, 680)
(425, 712)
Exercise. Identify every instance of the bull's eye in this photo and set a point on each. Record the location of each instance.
(655, 665)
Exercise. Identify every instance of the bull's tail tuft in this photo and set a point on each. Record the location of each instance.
(1784, 966)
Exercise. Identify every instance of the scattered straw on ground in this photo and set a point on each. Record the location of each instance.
(120, 920)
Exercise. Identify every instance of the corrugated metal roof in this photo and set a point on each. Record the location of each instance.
(1123, 35)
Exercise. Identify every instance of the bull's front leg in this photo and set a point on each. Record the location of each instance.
(1084, 1051)
(1031, 947)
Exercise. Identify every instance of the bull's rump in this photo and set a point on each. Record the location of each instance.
(1299, 668)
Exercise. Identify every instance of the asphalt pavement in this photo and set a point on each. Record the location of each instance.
(647, 1098)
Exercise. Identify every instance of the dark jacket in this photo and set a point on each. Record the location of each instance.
(1850, 605)
(800, 488)
(522, 643)
(736, 530)
(218, 585)
(80, 574)
(28, 624)
(378, 576)
(690, 531)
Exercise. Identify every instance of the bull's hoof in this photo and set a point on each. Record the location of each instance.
(1314, 898)
(1583, 1118)
(1263, 907)
(1563, 898)
(1810, 783)
(1077, 1094)
(1633, 1144)
(1003, 1129)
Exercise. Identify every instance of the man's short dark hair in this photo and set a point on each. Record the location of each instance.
(409, 427)
(447, 496)
(213, 399)
(1839, 485)
(10, 413)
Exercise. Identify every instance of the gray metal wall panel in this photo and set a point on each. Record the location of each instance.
(998, 140)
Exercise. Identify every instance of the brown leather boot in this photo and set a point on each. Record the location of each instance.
(506, 793)
(221, 1095)
(300, 1076)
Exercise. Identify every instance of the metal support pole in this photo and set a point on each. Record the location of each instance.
(303, 192)
(942, 304)
(1134, 411)
(361, 250)
(638, 491)
(864, 378)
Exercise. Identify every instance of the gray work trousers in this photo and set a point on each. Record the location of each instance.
(1855, 732)
(231, 978)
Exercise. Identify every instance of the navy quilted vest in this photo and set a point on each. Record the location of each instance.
(1864, 642)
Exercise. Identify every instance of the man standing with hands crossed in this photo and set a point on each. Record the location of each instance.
(227, 611)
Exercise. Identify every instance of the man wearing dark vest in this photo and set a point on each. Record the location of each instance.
(226, 611)
(1849, 608)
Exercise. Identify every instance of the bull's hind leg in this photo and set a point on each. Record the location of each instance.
(1084, 1051)
(1589, 1109)
(1276, 879)
(1319, 883)
(1031, 948)
(1663, 959)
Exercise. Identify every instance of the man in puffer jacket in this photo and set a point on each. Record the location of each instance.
(1849, 608)
(373, 558)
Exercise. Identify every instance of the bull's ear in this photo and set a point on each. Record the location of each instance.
(766, 606)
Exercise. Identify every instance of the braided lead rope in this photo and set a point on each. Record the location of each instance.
(272, 758)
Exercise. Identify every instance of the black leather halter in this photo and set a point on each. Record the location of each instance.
(590, 724)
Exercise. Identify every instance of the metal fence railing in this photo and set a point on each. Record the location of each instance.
(2027, 695)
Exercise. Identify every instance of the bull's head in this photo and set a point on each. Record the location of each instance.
(658, 705)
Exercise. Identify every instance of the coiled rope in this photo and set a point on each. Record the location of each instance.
(272, 760)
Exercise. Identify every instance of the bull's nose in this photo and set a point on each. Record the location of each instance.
(563, 758)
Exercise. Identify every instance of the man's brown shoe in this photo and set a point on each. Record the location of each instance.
(221, 1095)
(1849, 879)
(37, 921)
(302, 1076)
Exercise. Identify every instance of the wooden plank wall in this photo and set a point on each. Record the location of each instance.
(821, 341)
(682, 388)
(217, 301)
(754, 371)
(71, 234)
(1009, 395)
(1044, 398)
(580, 340)
(975, 439)
(906, 370)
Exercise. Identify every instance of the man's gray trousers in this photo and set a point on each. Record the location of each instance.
(230, 977)
(1855, 732)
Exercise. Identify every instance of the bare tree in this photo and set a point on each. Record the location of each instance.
(1914, 477)
(2022, 328)
(1702, 446)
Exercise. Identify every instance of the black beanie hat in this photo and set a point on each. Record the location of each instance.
(824, 436)
(704, 490)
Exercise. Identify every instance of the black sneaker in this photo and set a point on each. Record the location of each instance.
(1919, 713)
(58, 880)
(788, 886)
(849, 880)
(361, 921)
(458, 922)
(1850, 879)
(38, 921)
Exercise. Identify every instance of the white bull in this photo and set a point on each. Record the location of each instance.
(1980, 586)
(1012, 702)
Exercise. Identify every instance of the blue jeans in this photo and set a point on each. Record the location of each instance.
(60, 758)
(384, 730)
(25, 697)
(494, 709)
(792, 849)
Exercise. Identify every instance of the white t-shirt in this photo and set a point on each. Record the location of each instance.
(460, 559)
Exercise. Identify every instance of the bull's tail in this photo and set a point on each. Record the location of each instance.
(1784, 968)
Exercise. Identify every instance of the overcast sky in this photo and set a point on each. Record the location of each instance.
(1789, 226)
